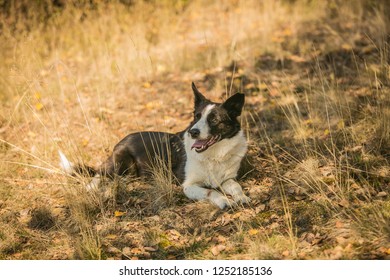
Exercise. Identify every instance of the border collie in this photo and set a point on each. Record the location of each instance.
(204, 158)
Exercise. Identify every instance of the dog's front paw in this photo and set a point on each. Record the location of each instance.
(241, 199)
(94, 184)
(223, 202)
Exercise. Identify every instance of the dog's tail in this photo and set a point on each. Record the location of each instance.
(72, 169)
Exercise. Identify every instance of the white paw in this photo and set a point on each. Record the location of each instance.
(223, 202)
(241, 199)
(94, 184)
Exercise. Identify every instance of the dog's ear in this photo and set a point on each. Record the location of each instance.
(233, 105)
(199, 98)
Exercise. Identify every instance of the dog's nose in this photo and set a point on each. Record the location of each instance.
(194, 132)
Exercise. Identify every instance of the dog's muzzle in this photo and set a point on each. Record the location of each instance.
(201, 145)
(194, 132)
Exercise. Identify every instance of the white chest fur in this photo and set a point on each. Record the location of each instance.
(215, 165)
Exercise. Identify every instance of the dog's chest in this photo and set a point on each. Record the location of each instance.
(211, 172)
(215, 165)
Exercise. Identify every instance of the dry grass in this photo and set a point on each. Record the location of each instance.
(316, 76)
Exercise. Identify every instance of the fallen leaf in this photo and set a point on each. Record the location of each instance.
(329, 179)
(111, 236)
(164, 243)
(85, 142)
(104, 110)
(346, 46)
(381, 194)
(260, 208)
(340, 124)
(225, 219)
(236, 215)
(150, 249)
(37, 95)
(126, 251)
(220, 239)
(344, 203)
(341, 240)
(31, 134)
(356, 148)
(310, 237)
(339, 224)
(216, 250)
(114, 68)
(285, 253)
(99, 228)
(326, 132)
(287, 32)
(119, 213)
(263, 86)
(174, 234)
(135, 251)
(250, 86)
(39, 106)
(300, 197)
(152, 105)
(274, 225)
(146, 85)
(113, 250)
(296, 58)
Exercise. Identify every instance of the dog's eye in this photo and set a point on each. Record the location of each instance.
(213, 121)
(198, 116)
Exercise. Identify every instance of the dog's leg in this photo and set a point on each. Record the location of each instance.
(94, 184)
(120, 163)
(234, 189)
(198, 193)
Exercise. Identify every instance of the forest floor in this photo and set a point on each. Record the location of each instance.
(317, 119)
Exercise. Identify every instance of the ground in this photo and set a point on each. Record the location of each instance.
(79, 78)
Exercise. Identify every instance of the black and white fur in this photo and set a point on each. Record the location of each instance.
(205, 157)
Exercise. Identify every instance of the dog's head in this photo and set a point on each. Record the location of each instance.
(214, 122)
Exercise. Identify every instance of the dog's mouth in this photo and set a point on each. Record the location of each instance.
(202, 145)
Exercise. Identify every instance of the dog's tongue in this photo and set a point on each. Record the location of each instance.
(199, 143)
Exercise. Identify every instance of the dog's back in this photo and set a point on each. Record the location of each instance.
(142, 153)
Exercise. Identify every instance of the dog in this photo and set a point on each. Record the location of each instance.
(205, 157)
